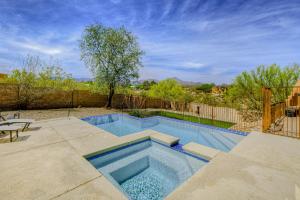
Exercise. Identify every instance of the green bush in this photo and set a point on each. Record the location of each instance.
(206, 87)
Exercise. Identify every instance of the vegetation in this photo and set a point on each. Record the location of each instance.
(245, 93)
(37, 73)
(210, 99)
(146, 85)
(113, 56)
(143, 114)
(206, 87)
(169, 90)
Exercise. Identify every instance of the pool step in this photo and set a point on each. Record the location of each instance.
(200, 150)
(163, 138)
(178, 147)
(226, 146)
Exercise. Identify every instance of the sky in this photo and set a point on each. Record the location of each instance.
(193, 40)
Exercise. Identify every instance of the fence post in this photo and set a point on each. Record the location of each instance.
(266, 110)
(212, 115)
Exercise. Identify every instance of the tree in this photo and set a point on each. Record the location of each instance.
(245, 92)
(171, 90)
(112, 55)
(206, 87)
(53, 76)
(36, 73)
(146, 85)
(32, 64)
(25, 81)
(168, 89)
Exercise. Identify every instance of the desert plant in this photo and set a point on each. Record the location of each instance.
(168, 89)
(206, 87)
(245, 92)
(36, 73)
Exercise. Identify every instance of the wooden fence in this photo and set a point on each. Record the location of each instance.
(216, 112)
(277, 111)
(281, 118)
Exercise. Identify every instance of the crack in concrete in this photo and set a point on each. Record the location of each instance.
(74, 188)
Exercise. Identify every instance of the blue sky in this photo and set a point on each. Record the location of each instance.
(194, 40)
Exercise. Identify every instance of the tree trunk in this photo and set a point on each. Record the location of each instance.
(110, 96)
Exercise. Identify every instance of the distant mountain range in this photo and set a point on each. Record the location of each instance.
(182, 82)
(186, 82)
(83, 79)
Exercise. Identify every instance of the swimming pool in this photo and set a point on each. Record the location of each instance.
(146, 169)
(123, 124)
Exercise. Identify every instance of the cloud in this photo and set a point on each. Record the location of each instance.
(192, 40)
(167, 8)
(193, 65)
(38, 48)
(116, 1)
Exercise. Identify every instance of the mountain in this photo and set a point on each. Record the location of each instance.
(142, 80)
(83, 79)
(187, 83)
(182, 82)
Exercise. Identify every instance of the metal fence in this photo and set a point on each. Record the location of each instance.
(221, 116)
(281, 113)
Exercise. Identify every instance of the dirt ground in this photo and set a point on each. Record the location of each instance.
(63, 112)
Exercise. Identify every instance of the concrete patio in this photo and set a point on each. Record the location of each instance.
(48, 163)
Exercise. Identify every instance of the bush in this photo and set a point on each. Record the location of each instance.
(206, 87)
(245, 93)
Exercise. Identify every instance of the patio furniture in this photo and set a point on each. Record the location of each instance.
(2, 118)
(10, 129)
(292, 111)
(277, 125)
(26, 122)
(14, 116)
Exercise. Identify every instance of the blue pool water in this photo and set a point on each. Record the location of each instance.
(146, 170)
(123, 124)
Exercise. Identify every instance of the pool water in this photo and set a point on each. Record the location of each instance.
(123, 124)
(146, 169)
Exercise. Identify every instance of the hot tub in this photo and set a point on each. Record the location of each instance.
(146, 169)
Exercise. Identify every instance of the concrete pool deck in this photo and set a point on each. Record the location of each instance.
(48, 163)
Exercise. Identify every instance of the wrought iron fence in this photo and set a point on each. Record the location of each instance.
(281, 114)
(221, 116)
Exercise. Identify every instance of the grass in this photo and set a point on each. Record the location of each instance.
(217, 123)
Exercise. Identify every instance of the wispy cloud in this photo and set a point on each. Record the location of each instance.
(193, 39)
(38, 48)
(193, 65)
(115, 1)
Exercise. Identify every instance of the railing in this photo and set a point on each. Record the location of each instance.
(202, 113)
(281, 118)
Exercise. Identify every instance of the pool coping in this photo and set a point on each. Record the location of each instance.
(155, 136)
(201, 150)
(137, 141)
(178, 120)
(168, 140)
